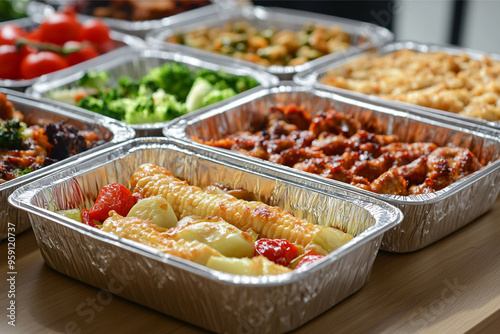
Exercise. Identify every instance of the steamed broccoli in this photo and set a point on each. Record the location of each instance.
(174, 78)
(128, 87)
(221, 80)
(166, 92)
(140, 110)
(98, 105)
(167, 107)
(95, 79)
(11, 134)
(216, 96)
(244, 83)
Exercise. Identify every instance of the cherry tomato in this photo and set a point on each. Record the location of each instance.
(85, 52)
(34, 35)
(95, 31)
(26, 50)
(279, 251)
(60, 28)
(43, 62)
(113, 196)
(9, 32)
(10, 61)
(70, 11)
(86, 218)
(308, 259)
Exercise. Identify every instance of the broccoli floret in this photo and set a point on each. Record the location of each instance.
(174, 78)
(128, 87)
(200, 89)
(245, 83)
(216, 96)
(98, 105)
(167, 107)
(143, 111)
(11, 134)
(95, 79)
(221, 80)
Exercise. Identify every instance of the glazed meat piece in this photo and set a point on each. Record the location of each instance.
(336, 147)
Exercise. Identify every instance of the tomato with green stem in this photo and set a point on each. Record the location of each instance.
(43, 62)
(9, 32)
(95, 31)
(82, 52)
(60, 28)
(10, 61)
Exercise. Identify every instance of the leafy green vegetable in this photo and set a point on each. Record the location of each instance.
(200, 89)
(174, 78)
(216, 96)
(166, 92)
(96, 79)
(20, 172)
(11, 134)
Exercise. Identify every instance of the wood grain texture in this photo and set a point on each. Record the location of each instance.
(452, 286)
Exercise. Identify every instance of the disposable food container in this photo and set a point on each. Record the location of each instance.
(119, 40)
(40, 112)
(216, 301)
(314, 75)
(135, 63)
(427, 217)
(363, 35)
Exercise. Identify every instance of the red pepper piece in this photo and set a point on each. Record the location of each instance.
(279, 251)
(115, 197)
(86, 218)
(309, 258)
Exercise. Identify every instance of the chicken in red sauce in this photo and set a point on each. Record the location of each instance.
(334, 145)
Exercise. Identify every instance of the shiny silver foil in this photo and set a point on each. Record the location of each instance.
(136, 63)
(41, 112)
(119, 40)
(207, 298)
(280, 18)
(427, 217)
(312, 77)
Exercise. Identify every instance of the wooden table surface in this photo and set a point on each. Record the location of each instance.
(452, 286)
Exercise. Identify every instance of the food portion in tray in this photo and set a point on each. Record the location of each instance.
(24, 148)
(60, 41)
(267, 45)
(335, 146)
(164, 93)
(454, 83)
(223, 229)
(136, 10)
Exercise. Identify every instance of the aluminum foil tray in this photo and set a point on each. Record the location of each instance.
(119, 40)
(136, 63)
(41, 111)
(207, 298)
(135, 28)
(312, 76)
(427, 217)
(281, 18)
